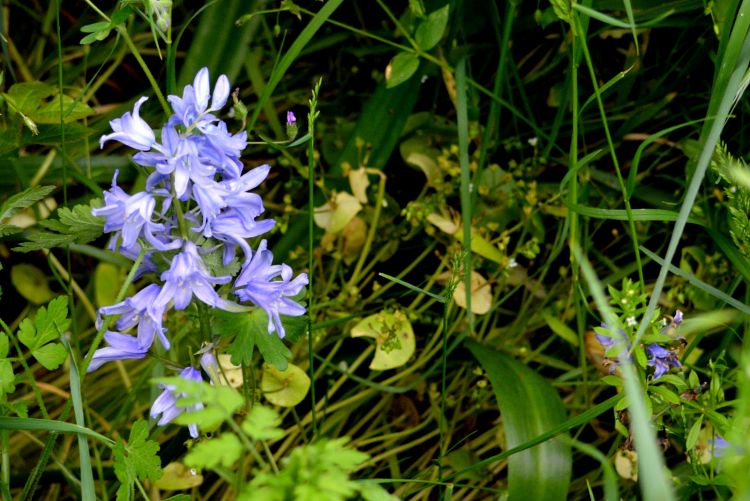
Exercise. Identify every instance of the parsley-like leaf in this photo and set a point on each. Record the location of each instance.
(251, 330)
(224, 450)
(138, 459)
(47, 326)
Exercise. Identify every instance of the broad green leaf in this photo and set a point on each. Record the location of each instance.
(47, 326)
(25, 97)
(284, 388)
(31, 283)
(72, 109)
(401, 68)
(431, 29)
(30, 99)
(530, 407)
(263, 423)
(393, 335)
(251, 330)
(224, 450)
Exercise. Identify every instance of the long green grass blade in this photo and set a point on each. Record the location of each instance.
(530, 408)
(34, 424)
(296, 48)
(654, 483)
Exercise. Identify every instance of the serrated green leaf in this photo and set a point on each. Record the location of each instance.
(263, 423)
(431, 29)
(52, 135)
(530, 407)
(76, 225)
(31, 283)
(251, 330)
(142, 452)
(48, 325)
(224, 450)
(23, 200)
(401, 68)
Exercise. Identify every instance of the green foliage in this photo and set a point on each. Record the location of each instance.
(49, 324)
(224, 450)
(100, 30)
(17, 203)
(262, 423)
(40, 103)
(251, 330)
(737, 194)
(76, 225)
(137, 459)
(316, 471)
(219, 402)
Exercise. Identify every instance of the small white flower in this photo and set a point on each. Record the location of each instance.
(631, 322)
(533, 141)
(512, 263)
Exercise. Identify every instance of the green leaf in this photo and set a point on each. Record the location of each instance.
(530, 407)
(76, 225)
(23, 200)
(401, 68)
(224, 450)
(137, 460)
(31, 283)
(431, 29)
(4, 345)
(692, 436)
(263, 423)
(28, 99)
(48, 325)
(251, 330)
(7, 378)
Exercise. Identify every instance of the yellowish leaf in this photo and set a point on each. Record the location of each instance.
(393, 335)
(284, 388)
(481, 294)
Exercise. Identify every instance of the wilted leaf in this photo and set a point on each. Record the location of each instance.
(177, 476)
(394, 337)
(355, 234)
(334, 216)
(481, 294)
(359, 183)
(284, 388)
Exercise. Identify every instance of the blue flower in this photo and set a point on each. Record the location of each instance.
(187, 276)
(191, 110)
(257, 283)
(139, 310)
(166, 403)
(131, 216)
(121, 347)
(661, 359)
(131, 130)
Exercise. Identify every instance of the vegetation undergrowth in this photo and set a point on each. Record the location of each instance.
(373, 250)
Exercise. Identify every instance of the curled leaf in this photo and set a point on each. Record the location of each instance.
(481, 294)
(177, 476)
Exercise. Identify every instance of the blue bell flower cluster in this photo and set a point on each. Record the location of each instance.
(197, 200)
(660, 358)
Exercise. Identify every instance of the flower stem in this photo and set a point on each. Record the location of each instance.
(134, 50)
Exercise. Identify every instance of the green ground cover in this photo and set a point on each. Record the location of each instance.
(509, 255)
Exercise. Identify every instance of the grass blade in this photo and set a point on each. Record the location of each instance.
(530, 407)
